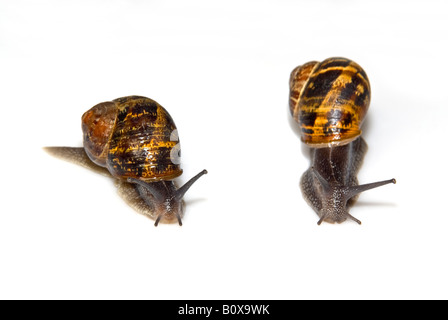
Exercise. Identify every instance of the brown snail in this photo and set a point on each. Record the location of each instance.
(136, 140)
(329, 100)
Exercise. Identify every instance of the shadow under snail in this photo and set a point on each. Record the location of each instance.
(135, 140)
(329, 100)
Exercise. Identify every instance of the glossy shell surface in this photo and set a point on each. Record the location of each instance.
(329, 100)
(133, 137)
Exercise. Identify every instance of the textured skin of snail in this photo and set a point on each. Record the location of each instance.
(134, 139)
(329, 101)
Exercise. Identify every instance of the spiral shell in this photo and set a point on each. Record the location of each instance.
(329, 100)
(132, 137)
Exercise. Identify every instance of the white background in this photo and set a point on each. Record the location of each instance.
(222, 71)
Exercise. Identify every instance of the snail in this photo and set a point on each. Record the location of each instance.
(134, 139)
(329, 100)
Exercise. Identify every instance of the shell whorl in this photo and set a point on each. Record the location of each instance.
(329, 101)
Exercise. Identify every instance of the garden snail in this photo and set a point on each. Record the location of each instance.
(136, 140)
(329, 100)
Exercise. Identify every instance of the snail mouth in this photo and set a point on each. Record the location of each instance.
(160, 216)
(168, 213)
(339, 218)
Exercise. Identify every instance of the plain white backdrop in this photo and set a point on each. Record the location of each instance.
(222, 71)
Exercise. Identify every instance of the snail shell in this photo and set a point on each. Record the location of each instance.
(329, 100)
(133, 137)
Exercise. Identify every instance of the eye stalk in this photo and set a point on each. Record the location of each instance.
(334, 207)
(164, 196)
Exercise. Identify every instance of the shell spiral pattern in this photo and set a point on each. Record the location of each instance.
(138, 139)
(329, 100)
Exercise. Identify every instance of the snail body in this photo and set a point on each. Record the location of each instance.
(329, 100)
(136, 140)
